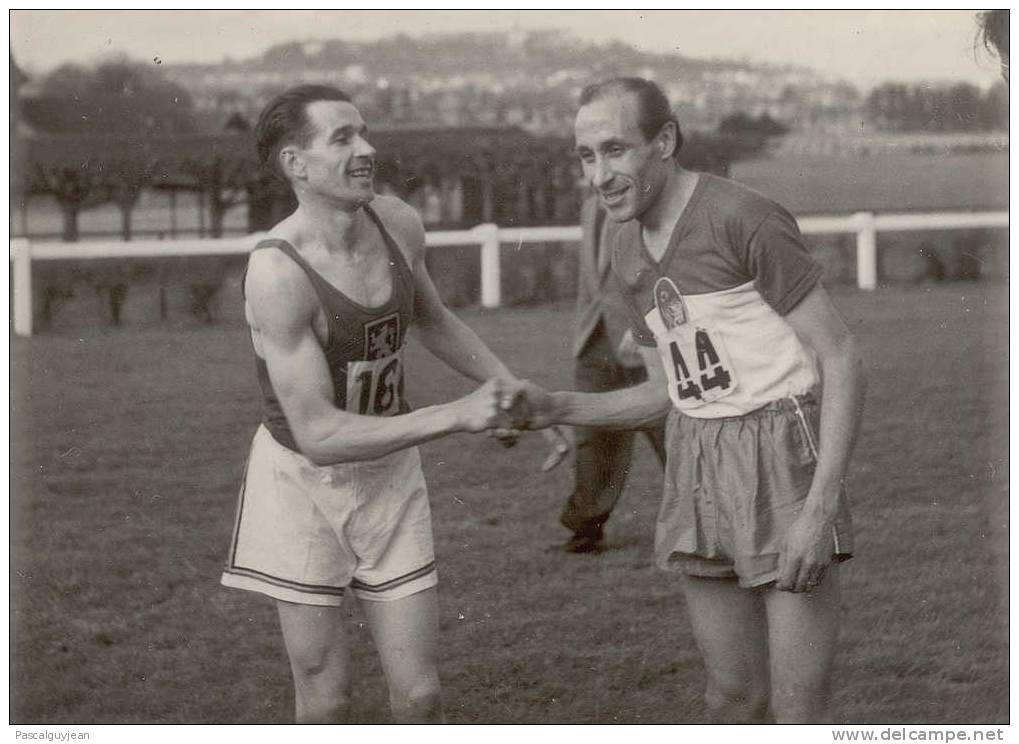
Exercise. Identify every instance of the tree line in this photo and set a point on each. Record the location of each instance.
(897, 107)
(106, 134)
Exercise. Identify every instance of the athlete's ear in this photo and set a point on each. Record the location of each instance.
(291, 163)
(667, 140)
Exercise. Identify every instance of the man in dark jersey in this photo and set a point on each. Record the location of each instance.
(334, 501)
(737, 334)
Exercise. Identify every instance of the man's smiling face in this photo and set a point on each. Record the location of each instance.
(625, 169)
(338, 160)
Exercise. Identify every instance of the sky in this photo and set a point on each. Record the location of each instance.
(864, 47)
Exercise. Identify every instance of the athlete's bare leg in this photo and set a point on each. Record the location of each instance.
(319, 659)
(406, 634)
(803, 630)
(730, 628)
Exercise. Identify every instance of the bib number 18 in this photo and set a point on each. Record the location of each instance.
(373, 387)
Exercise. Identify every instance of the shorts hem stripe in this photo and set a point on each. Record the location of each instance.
(414, 586)
(283, 583)
(393, 583)
(281, 593)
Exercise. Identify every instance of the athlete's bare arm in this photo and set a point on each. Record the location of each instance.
(808, 548)
(281, 307)
(436, 326)
(450, 339)
(629, 408)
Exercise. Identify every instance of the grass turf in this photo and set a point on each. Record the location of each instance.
(127, 449)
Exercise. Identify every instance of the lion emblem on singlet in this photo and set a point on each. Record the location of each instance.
(382, 337)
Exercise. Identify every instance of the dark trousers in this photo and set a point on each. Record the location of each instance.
(602, 455)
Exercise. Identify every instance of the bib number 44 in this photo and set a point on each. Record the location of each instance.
(711, 378)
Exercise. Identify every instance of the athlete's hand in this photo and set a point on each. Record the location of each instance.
(514, 402)
(483, 409)
(541, 411)
(506, 437)
(560, 441)
(514, 405)
(805, 554)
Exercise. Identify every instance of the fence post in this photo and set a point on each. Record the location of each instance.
(491, 280)
(866, 250)
(21, 251)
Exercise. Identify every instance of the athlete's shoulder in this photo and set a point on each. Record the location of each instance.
(275, 285)
(400, 219)
(393, 210)
(738, 201)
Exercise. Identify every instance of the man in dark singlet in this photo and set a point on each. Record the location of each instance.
(334, 501)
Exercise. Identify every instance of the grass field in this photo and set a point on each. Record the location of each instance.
(881, 182)
(128, 446)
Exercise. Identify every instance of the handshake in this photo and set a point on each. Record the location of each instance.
(504, 408)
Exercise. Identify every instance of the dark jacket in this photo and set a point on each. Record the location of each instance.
(597, 295)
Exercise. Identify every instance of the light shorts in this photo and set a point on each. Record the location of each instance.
(306, 533)
(733, 487)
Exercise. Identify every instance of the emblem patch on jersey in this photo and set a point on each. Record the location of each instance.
(382, 337)
(669, 303)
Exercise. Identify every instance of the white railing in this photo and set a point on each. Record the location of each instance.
(489, 237)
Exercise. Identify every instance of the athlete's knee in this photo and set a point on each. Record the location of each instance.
(801, 695)
(321, 690)
(736, 700)
(421, 703)
(316, 669)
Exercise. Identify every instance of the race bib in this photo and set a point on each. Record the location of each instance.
(699, 363)
(695, 357)
(374, 386)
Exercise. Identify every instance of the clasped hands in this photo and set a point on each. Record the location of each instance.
(505, 408)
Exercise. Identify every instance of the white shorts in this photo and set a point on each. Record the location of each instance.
(306, 533)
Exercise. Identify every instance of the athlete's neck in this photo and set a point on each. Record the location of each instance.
(336, 228)
(659, 220)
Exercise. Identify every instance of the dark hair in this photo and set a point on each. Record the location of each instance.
(653, 110)
(284, 120)
(993, 32)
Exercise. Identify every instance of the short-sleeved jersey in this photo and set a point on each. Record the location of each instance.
(364, 347)
(714, 305)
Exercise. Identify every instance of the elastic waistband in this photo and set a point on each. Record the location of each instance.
(792, 404)
(789, 404)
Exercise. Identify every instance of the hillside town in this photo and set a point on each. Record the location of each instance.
(471, 127)
(526, 79)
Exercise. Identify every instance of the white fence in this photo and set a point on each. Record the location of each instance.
(489, 237)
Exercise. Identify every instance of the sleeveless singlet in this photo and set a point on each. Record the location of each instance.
(364, 346)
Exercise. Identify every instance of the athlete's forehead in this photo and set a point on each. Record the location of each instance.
(611, 116)
(327, 117)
